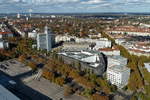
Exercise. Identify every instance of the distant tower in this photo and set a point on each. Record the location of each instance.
(30, 12)
(46, 40)
(18, 15)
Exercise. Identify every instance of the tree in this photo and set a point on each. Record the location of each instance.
(68, 91)
(99, 97)
(32, 65)
(48, 75)
(60, 81)
(87, 92)
(22, 58)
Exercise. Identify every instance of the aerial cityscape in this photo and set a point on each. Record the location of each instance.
(74, 50)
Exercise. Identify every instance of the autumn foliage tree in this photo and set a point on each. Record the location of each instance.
(32, 65)
(99, 97)
(68, 91)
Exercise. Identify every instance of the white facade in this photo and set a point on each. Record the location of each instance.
(102, 44)
(118, 76)
(32, 34)
(46, 41)
(147, 66)
(117, 72)
(119, 41)
(64, 38)
(4, 44)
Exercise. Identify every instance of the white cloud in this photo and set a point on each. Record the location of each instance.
(92, 2)
(52, 1)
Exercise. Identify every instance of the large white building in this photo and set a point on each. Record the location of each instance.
(102, 43)
(46, 40)
(117, 72)
(4, 44)
(147, 66)
(32, 34)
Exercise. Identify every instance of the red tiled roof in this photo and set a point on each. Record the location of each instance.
(5, 33)
(130, 29)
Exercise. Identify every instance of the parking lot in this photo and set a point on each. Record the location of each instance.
(13, 67)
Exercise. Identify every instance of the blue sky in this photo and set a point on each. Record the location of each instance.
(63, 6)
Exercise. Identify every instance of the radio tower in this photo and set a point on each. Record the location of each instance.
(30, 12)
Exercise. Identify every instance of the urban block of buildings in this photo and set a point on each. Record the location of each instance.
(130, 30)
(72, 42)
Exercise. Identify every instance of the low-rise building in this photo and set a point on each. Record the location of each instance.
(32, 34)
(147, 66)
(119, 41)
(110, 51)
(99, 43)
(92, 60)
(117, 72)
(73, 46)
(4, 44)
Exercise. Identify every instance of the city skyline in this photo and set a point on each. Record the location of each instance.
(73, 6)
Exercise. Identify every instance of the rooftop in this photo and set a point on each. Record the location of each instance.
(92, 57)
(118, 68)
(109, 49)
(130, 29)
(5, 33)
(6, 95)
(119, 58)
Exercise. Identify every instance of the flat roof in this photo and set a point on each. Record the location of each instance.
(13, 67)
(119, 68)
(92, 57)
(6, 95)
(118, 57)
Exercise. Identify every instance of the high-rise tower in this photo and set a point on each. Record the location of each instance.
(46, 40)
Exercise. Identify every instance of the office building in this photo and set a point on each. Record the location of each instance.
(46, 40)
(92, 60)
(117, 72)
